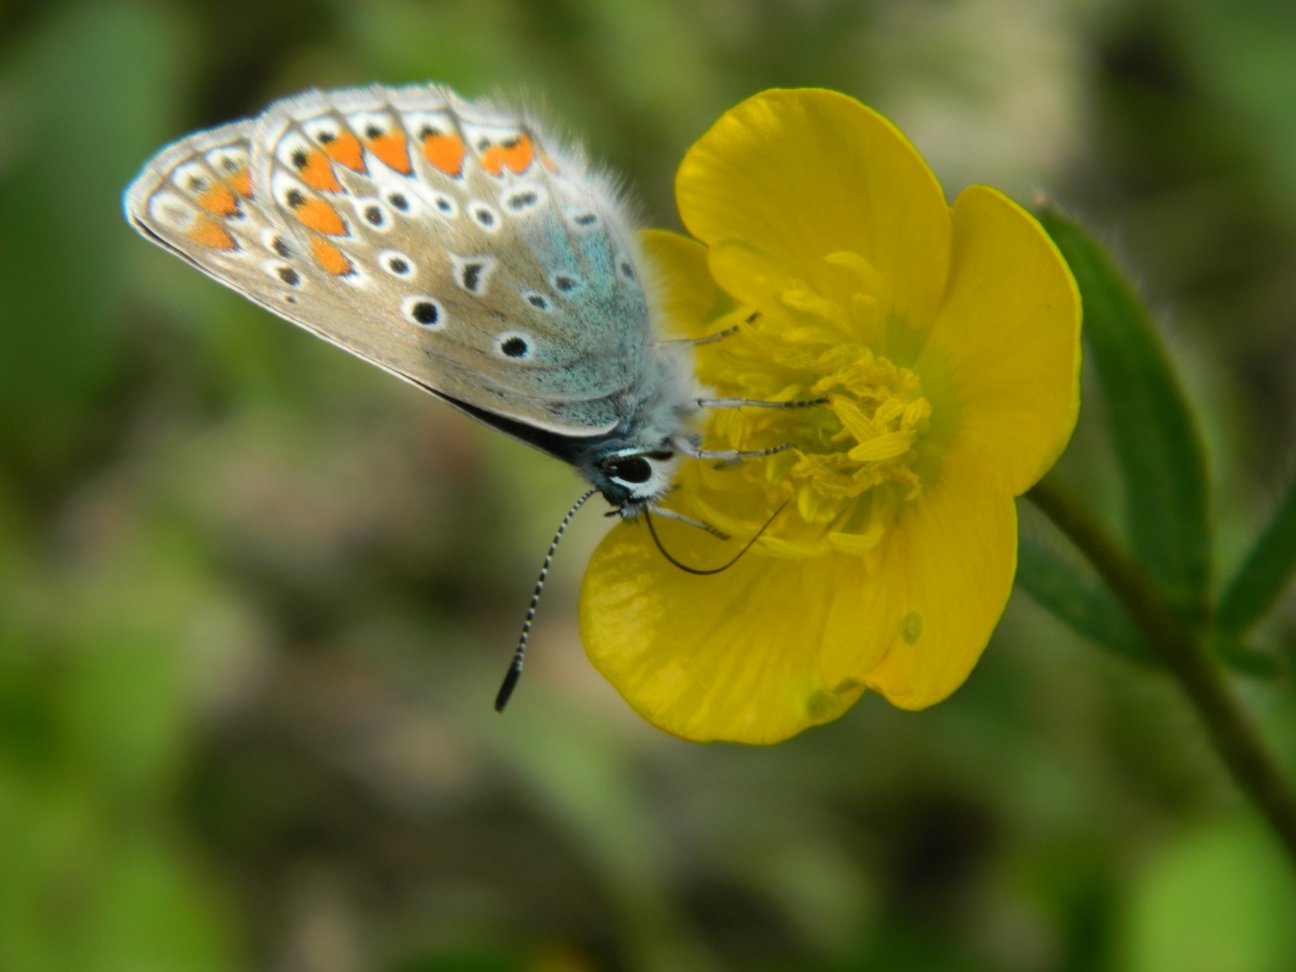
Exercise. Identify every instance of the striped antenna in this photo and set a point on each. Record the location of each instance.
(515, 669)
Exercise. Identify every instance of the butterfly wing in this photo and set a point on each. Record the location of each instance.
(445, 241)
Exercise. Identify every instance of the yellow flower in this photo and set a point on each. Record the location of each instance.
(945, 340)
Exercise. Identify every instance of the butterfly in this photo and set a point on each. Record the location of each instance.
(453, 244)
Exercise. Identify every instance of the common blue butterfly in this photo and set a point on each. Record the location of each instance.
(451, 243)
(455, 245)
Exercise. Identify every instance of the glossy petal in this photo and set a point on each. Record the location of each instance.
(949, 560)
(946, 341)
(734, 656)
(1005, 344)
(795, 176)
(686, 296)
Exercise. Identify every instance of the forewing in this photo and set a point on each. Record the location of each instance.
(441, 240)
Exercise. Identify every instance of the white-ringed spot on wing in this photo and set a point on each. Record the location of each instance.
(583, 219)
(370, 124)
(400, 202)
(275, 243)
(484, 216)
(322, 130)
(172, 210)
(230, 161)
(397, 264)
(293, 151)
(445, 205)
(627, 268)
(284, 273)
(374, 214)
(192, 177)
(522, 199)
(513, 345)
(565, 283)
(472, 273)
(423, 311)
(537, 300)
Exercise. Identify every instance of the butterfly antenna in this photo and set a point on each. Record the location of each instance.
(711, 570)
(515, 669)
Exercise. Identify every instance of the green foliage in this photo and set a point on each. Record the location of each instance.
(1224, 882)
(1263, 576)
(1084, 605)
(255, 598)
(1154, 433)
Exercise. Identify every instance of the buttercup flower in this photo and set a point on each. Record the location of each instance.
(945, 343)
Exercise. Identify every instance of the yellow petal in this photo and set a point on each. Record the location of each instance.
(1004, 355)
(804, 176)
(734, 656)
(685, 294)
(948, 563)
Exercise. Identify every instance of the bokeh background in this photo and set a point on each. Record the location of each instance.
(256, 597)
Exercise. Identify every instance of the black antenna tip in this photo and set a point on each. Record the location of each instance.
(515, 669)
(506, 689)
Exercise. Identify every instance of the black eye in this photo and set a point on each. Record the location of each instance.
(635, 469)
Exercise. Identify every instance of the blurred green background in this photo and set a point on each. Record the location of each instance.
(256, 597)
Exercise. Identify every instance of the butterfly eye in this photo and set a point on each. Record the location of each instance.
(632, 469)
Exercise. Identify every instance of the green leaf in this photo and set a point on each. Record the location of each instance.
(1155, 435)
(1082, 605)
(1264, 573)
(1217, 899)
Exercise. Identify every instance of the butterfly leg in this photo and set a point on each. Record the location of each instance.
(709, 339)
(665, 514)
(717, 336)
(755, 403)
(728, 455)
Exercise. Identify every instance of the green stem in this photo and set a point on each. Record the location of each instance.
(1231, 732)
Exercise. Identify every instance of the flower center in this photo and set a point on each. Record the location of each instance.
(852, 464)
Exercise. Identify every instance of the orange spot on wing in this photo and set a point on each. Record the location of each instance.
(519, 154)
(444, 152)
(241, 182)
(318, 173)
(492, 159)
(347, 150)
(393, 149)
(207, 232)
(320, 216)
(219, 200)
(330, 257)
